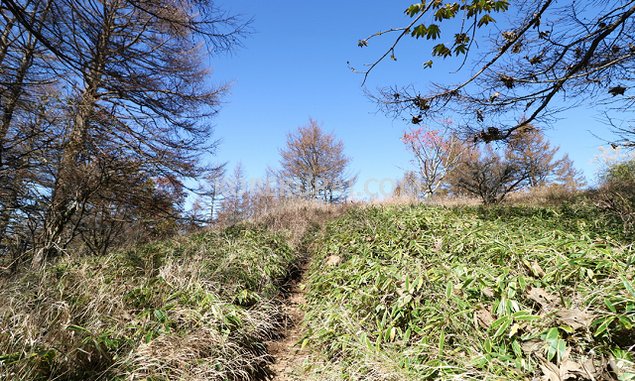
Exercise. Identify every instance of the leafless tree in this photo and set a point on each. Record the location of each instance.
(130, 83)
(314, 165)
(235, 205)
(527, 161)
(488, 176)
(436, 154)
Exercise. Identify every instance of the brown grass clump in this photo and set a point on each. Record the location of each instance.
(441, 200)
(551, 195)
(540, 196)
(294, 217)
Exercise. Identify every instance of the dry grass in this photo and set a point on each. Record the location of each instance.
(294, 217)
(448, 201)
(552, 195)
(197, 308)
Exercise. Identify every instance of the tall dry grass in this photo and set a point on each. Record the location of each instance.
(196, 308)
(293, 217)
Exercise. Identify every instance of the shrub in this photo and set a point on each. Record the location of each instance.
(616, 192)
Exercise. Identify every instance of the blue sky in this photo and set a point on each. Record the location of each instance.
(294, 66)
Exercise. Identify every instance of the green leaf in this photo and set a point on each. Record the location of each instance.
(610, 305)
(500, 326)
(556, 347)
(434, 32)
(487, 345)
(77, 328)
(419, 31)
(414, 9)
(449, 288)
(627, 285)
(441, 50)
(486, 19)
(524, 315)
(501, 6)
(552, 334)
(604, 326)
(460, 49)
(517, 349)
(447, 12)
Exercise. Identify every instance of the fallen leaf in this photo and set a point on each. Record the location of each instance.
(543, 298)
(590, 369)
(484, 317)
(532, 346)
(333, 260)
(575, 318)
(571, 370)
(438, 244)
(568, 370)
(537, 270)
(488, 292)
(550, 371)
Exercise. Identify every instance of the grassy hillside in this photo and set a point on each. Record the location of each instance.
(196, 308)
(411, 293)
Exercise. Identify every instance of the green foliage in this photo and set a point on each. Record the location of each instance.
(617, 192)
(476, 12)
(195, 307)
(621, 173)
(470, 293)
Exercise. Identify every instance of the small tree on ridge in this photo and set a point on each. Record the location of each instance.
(314, 165)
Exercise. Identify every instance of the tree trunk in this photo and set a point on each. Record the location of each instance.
(4, 41)
(71, 189)
(10, 176)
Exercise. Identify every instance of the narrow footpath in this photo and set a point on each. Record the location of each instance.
(286, 351)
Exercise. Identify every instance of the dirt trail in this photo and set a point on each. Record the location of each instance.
(286, 351)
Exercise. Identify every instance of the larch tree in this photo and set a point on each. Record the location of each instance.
(314, 165)
(127, 85)
(531, 150)
(235, 205)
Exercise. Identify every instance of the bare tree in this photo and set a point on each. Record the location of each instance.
(488, 175)
(236, 202)
(408, 186)
(314, 165)
(28, 131)
(527, 161)
(556, 54)
(131, 84)
(436, 155)
(211, 191)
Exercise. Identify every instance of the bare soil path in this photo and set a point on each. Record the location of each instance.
(286, 351)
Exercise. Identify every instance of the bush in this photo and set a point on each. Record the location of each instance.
(616, 193)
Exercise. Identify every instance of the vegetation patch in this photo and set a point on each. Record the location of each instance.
(404, 293)
(196, 308)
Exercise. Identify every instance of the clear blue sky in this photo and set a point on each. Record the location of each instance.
(294, 66)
